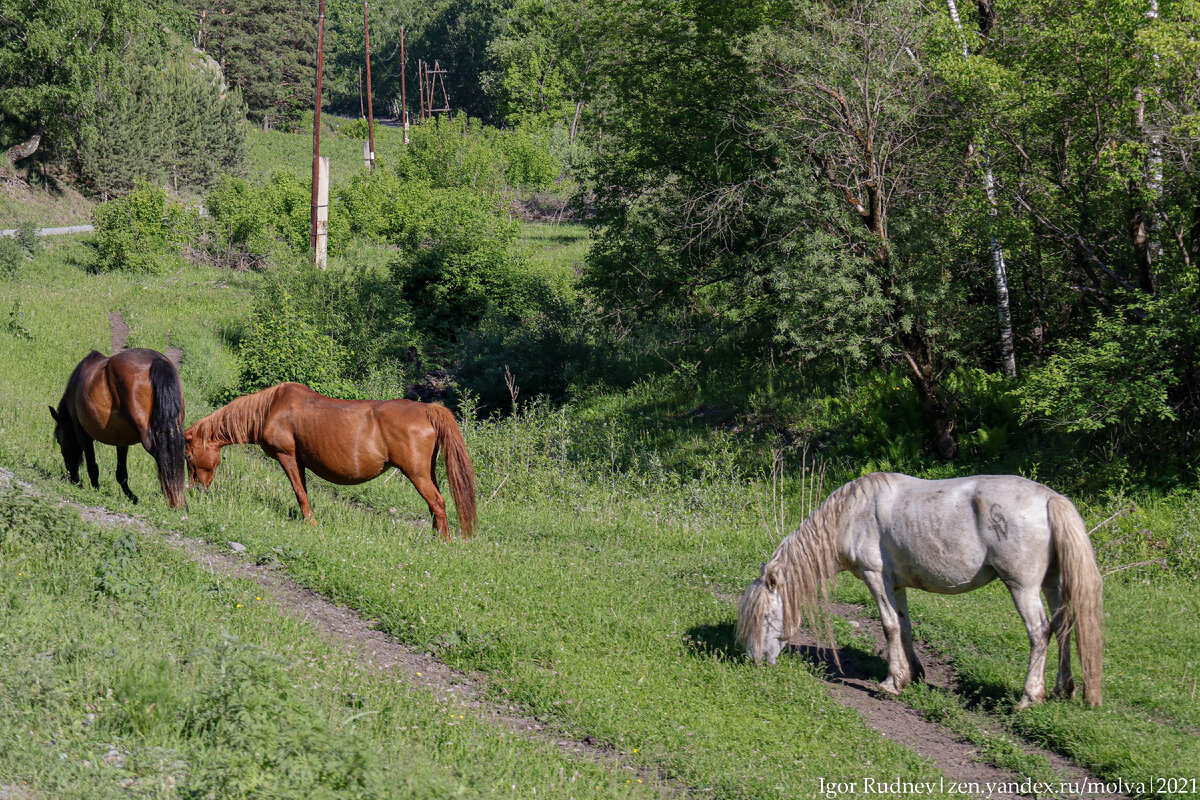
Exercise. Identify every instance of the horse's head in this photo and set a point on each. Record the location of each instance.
(203, 457)
(760, 628)
(68, 444)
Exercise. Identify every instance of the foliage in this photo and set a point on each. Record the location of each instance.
(284, 344)
(265, 50)
(12, 257)
(115, 93)
(142, 232)
(255, 221)
(461, 152)
(27, 237)
(195, 133)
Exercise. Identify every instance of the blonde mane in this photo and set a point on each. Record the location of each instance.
(804, 566)
(241, 420)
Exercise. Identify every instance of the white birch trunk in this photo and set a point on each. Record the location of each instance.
(1008, 358)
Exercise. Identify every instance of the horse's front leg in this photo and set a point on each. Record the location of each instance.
(906, 638)
(1028, 601)
(89, 454)
(295, 472)
(123, 473)
(883, 591)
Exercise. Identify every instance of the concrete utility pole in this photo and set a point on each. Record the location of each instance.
(319, 225)
(370, 101)
(403, 97)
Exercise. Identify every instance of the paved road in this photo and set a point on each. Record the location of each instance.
(54, 231)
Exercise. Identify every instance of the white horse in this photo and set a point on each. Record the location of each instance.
(950, 536)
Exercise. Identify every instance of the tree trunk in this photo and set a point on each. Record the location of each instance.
(924, 380)
(26, 148)
(1008, 361)
(1146, 230)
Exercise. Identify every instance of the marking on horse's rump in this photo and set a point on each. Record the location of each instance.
(997, 521)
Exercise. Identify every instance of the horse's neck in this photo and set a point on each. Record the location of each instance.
(236, 426)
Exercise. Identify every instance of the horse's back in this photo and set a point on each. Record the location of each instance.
(956, 534)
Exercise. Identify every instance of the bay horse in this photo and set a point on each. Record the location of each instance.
(950, 536)
(344, 441)
(132, 397)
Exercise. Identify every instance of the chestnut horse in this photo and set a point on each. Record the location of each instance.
(134, 396)
(343, 441)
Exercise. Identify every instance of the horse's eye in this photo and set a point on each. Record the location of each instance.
(187, 456)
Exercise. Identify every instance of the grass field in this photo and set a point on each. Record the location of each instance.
(597, 596)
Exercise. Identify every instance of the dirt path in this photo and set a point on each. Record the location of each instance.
(120, 339)
(373, 648)
(120, 332)
(857, 688)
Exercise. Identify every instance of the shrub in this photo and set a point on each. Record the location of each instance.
(142, 232)
(284, 344)
(257, 221)
(27, 237)
(357, 129)
(12, 256)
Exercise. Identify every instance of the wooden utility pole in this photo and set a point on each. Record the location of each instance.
(370, 101)
(420, 90)
(318, 229)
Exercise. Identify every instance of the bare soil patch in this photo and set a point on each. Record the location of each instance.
(120, 332)
(857, 687)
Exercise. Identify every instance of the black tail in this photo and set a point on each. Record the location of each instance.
(166, 428)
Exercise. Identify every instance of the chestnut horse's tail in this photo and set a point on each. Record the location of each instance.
(459, 470)
(166, 431)
(1082, 586)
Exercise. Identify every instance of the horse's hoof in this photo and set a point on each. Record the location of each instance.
(1027, 702)
(311, 520)
(890, 686)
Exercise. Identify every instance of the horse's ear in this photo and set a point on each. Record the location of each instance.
(770, 579)
(53, 413)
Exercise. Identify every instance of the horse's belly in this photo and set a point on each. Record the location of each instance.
(114, 430)
(343, 465)
(945, 581)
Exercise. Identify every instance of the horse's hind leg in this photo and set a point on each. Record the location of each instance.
(425, 483)
(1028, 601)
(1060, 624)
(914, 663)
(123, 473)
(899, 673)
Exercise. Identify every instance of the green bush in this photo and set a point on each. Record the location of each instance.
(12, 257)
(284, 344)
(255, 221)
(142, 232)
(460, 152)
(27, 237)
(357, 129)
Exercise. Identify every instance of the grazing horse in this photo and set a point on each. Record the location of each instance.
(343, 441)
(949, 536)
(134, 396)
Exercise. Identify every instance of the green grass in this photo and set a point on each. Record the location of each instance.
(588, 597)
(127, 670)
(276, 151)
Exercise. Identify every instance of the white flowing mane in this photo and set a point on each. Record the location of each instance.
(804, 566)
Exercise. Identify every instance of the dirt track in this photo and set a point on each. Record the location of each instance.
(855, 687)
